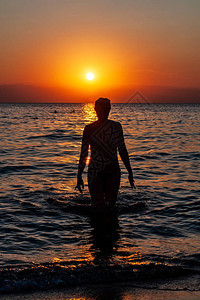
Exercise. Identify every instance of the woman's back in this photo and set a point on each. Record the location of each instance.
(104, 139)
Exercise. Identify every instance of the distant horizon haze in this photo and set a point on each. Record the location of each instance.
(24, 93)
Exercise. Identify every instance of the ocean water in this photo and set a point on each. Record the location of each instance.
(49, 235)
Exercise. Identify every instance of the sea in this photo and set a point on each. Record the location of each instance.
(51, 238)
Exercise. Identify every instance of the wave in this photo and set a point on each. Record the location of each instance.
(8, 169)
(54, 275)
(59, 135)
(88, 209)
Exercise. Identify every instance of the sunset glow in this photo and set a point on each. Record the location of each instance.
(100, 48)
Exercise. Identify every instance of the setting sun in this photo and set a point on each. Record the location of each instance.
(90, 76)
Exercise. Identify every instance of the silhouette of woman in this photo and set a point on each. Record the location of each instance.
(104, 137)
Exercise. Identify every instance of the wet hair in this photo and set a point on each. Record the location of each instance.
(104, 103)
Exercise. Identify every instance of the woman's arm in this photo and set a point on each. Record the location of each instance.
(82, 160)
(125, 157)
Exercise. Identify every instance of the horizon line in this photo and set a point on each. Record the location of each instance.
(137, 103)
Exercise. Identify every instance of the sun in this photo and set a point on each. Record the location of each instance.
(90, 76)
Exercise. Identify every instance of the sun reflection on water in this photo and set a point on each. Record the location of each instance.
(89, 113)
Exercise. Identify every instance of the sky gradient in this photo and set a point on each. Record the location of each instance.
(128, 45)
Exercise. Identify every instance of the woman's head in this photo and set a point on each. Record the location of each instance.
(102, 108)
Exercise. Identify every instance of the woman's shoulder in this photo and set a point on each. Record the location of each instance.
(95, 124)
(90, 127)
(116, 124)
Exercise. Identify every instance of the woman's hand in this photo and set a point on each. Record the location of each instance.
(80, 184)
(131, 180)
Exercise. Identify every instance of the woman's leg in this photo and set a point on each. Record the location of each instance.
(112, 184)
(96, 189)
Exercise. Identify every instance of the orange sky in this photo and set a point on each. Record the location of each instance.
(125, 44)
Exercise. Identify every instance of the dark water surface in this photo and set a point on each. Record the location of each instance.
(50, 237)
